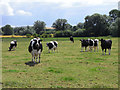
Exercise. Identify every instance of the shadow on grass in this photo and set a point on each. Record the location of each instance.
(30, 63)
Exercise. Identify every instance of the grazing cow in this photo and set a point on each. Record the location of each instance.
(96, 42)
(106, 44)
(13, 45)
(52, 45)
(71, 39)
(35, 48)
(84, 43)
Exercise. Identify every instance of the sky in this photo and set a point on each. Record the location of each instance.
(26, 12)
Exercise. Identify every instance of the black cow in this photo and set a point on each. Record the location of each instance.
(13, 45)
(84, 43)
(35, 48)
(52, 45)
(106, 44)
(71, 39)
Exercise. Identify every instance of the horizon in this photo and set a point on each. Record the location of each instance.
(23, 13)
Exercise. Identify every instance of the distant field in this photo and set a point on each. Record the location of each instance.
(67, 68)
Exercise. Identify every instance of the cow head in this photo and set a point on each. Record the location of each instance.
(101, 39)
(36, 43)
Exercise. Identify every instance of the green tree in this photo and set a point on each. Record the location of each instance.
(114, 27)
(19, 30)
(80, 25)
(74, 28)
(1, 33)
(39, 26)
(96, 25)
(114, 14)
(29, 30)
(60, 24)
(7, 30)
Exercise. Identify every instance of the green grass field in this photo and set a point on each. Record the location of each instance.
(67, 68)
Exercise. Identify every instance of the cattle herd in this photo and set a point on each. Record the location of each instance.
(36, 48)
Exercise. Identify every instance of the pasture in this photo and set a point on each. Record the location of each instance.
(67, 68)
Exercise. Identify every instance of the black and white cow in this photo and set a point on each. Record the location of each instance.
(106, 44)
(84, 43)
(71, 39)
(35, 48)
(52, 45)
(96, 42)
(13, 45)
(91, 44)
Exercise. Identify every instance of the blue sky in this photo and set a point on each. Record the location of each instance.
(26, 12)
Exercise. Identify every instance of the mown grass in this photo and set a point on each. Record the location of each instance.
(67, 68)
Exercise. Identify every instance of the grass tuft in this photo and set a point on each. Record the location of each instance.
(54, 70)
(67, 78)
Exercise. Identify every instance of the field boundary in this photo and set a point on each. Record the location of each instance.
(11, 36)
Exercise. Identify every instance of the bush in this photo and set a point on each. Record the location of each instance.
(35, 35)
(28, 35)
(66, 33)
(79, 33)
(58, 34)
(46, 35)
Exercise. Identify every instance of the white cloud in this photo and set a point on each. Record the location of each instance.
(22, 12)
(6, 9)
(69, 3)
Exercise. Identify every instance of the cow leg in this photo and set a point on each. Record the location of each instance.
(34, 59)
(102, 51)
(54, 50)
(86, 49)
(13, 48)
(48, 50)
(37, 59)
(105, 51)
(9, 48)
(91, 48)
(109, 51)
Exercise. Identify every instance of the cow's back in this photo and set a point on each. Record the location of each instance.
(55, 43)
(84, 43)
(106, 44)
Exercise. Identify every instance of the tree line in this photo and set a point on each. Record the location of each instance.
(94, 25)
